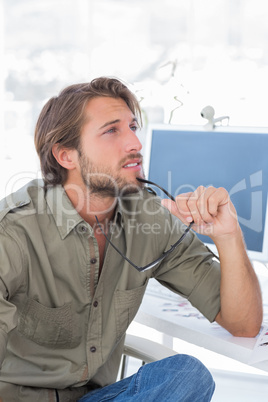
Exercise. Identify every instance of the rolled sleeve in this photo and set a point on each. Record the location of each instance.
(205, 295)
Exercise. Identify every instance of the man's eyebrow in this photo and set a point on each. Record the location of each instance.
(110, 122)
(117, 121)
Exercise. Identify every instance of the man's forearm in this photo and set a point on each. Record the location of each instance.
(241, 301)
(214, 215)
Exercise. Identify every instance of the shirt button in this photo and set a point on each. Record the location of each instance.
(19, 204)
(93, 260)
(82, 228)
(93, 349)
(95, 304)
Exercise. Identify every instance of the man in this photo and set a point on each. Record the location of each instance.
(67, 246)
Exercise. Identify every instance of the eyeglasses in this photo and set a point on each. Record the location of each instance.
(165, 253)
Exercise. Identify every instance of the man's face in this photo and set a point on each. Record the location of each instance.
(109, 154)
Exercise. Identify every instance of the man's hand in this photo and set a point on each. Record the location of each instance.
(214, 215)
(210, 208)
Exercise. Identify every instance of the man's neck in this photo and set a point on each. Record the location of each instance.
(90, 205)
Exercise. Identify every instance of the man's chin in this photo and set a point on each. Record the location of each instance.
(130, 188)
(110, 190)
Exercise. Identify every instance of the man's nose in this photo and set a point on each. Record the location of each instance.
(132, 142)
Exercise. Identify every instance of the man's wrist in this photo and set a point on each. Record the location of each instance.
(231, 241)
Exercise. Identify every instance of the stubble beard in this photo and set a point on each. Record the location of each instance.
(102, 182)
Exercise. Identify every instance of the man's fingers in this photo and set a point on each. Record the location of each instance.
(196, 206)
(216, 198)
(210, 208)
(209, 202)
(200, 206)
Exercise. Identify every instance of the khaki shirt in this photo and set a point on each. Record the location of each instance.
(61, 324)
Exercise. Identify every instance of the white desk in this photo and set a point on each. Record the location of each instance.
(177, 318)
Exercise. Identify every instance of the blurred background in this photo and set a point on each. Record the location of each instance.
(178, 56)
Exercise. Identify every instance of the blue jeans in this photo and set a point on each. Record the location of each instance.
(176, 378)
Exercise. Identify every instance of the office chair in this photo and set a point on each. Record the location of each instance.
(143, 349)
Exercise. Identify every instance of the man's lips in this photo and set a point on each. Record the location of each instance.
(132, 163)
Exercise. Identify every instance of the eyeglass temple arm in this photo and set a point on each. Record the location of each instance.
(117, 249)
(154, 184)
(161, 188)
(173, 199)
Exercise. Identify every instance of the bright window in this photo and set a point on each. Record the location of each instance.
(189, 51)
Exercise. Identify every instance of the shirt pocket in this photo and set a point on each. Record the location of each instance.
(127, 303)
(46, 326)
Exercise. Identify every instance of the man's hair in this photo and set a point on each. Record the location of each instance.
(62, 118)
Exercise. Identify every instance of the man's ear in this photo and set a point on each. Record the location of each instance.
(67, 158)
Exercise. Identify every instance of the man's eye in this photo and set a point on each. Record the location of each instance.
(134, 128)
(111, 130)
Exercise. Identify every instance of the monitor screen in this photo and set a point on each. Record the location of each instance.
(182, 158)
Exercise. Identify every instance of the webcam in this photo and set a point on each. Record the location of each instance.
(208, 113)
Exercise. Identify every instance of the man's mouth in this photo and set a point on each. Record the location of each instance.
(131, 165)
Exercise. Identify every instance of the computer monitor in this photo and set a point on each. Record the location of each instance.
(180, 158)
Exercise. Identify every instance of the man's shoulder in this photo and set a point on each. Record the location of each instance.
(29, 194)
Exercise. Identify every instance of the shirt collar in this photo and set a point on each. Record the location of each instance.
(65, 215)
(129, 206)
(67, 218)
